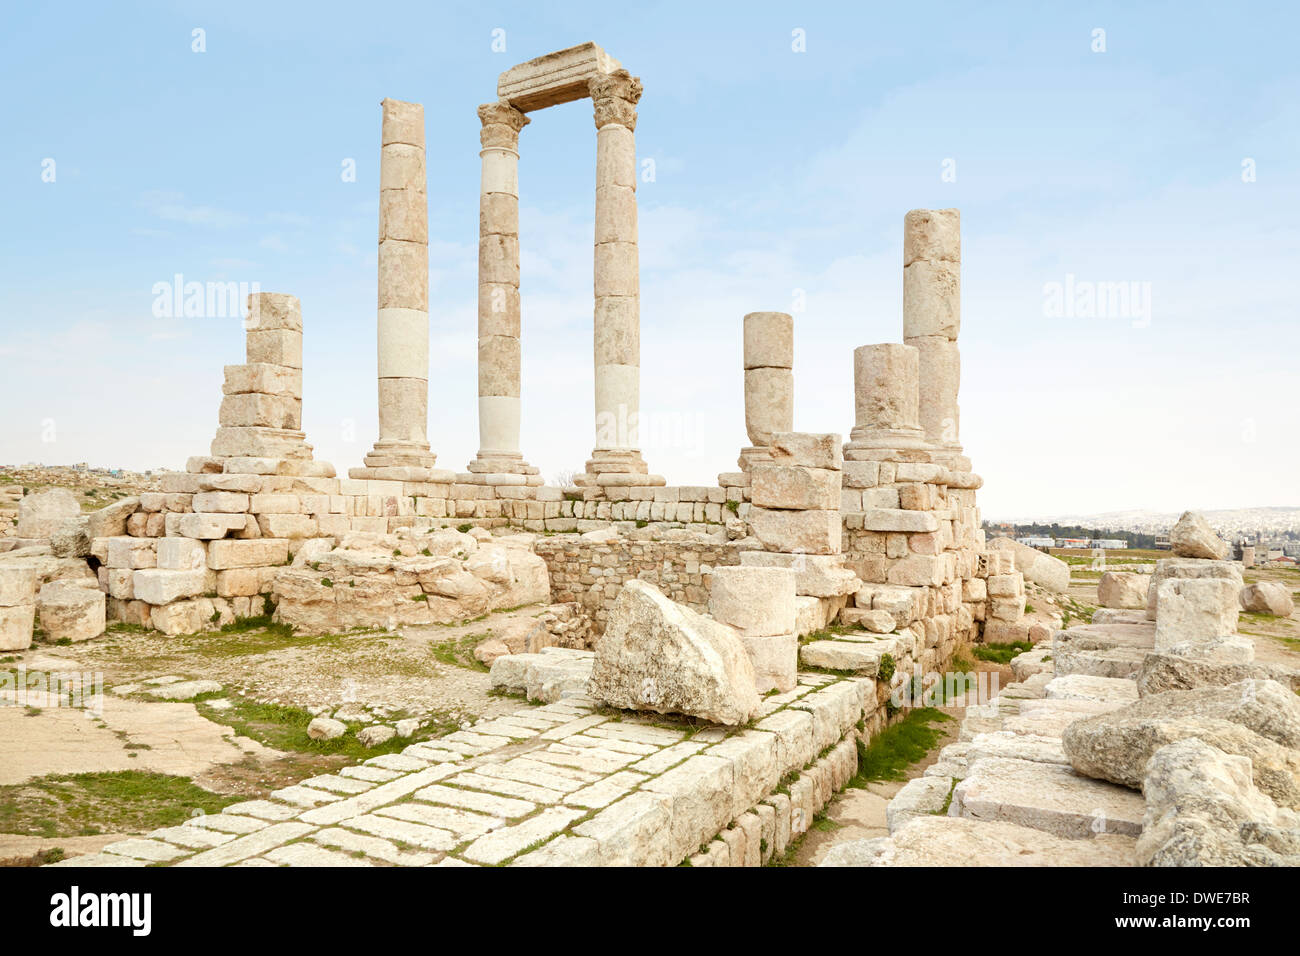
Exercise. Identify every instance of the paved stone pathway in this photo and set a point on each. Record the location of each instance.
(564, 783)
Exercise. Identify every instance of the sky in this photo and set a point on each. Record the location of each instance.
(1154, 147)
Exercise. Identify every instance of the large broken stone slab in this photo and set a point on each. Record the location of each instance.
(951, 841)
(71, 611)
(1255, 719)
(1192, 537)
(659, 656)
(1174, 568)
(1267, 597)
(1085, 687)
(1048, 797)
(41, 513)
(921, 796)
(1168, 671)
(1203, 810)
(1123, 589)
(1049, 573)
(1195, 610)
(550, 675)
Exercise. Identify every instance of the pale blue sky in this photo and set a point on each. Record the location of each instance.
(775, 171)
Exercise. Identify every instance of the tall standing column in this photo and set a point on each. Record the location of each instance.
(768, 354)
(932, 318)
(402, 450)
(498, 293)
(617, 348)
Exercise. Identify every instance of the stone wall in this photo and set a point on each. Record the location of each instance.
(591, 572)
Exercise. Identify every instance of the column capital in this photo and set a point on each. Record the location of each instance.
(501, 125)
(615, 96)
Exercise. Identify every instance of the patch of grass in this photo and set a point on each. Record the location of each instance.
(285, 728)
(464, 528)
(885, 670)
(896, 748)
(733, 506)
(1001, 653)
(40, 858)
(84, 804)
(459, 652)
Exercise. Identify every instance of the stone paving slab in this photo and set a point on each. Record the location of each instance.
(556, 785)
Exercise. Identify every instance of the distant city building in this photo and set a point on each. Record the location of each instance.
(1162, 541)
(1038, 542)
(1073, 542)
(1109, 544)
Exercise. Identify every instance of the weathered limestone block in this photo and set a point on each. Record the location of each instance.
(131, 553)
(755, 601)
(931, 841)
(768, 340)
(1255, 719)
(41, 513)
(1040, 568)
(657, 655)
(111, 521)
(255, 553)
(769, 403)
(220, 502)
(1167, 568)
(808, 450)
(210, 526)
(805, 532)
(70, 538)
(932, 300)
(18, 585)
(180, 554)
(1169, 671)
(816, 575)
(1196, 610)
(1203, 810)
(1192, 537)
(254, 408)
(16, 622)
(793, 486)
(1267, 597)
(71, 611)
(1123, 589)
(932, 235)
(160, 586)
(278, 380)
(775, 658)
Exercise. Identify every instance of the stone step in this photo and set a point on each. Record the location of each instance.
(1046, 797)
(955, 842)
(1087, 687)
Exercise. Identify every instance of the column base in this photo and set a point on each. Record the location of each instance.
(400, 461)
(879, 444)
(616, 461)
(751, 455)
(501, 463)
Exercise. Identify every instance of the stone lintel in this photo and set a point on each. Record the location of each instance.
(555, 78)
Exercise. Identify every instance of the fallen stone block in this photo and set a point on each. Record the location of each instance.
(70, 611)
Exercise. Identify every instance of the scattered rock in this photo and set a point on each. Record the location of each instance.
(1192, 537)
(954, 842)
(184, 690)
(489, 650)
(375, 734)
(70, 610)
(325, 728)
(1168, 671)
(1203, 810)
(1051, 574)
(1268, 597)
(40, 514)
(659, 656)
(1123, 589)
(407, 726)
(70, 538)
(1255, 719)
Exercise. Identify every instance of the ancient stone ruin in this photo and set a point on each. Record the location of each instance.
(783, 610)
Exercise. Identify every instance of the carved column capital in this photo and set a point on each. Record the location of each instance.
(615, 96)
(501, 125)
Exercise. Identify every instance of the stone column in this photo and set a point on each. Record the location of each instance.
(402, 450)
(885, 401)
(498, 294)
(769, 382)
(616, 340)
(932, 318)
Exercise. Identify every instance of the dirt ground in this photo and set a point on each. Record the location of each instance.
(423, 672)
